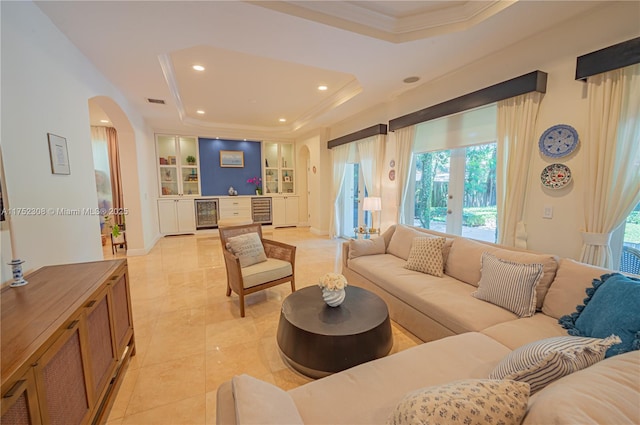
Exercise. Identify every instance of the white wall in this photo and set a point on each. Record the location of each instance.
(46, 85)
(319, 183)
(554, 52)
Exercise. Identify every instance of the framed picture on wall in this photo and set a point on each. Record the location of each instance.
(58, 154)
(234, 159)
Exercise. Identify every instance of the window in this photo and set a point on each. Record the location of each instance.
(455, 175)
(630, 258)
(455, 191)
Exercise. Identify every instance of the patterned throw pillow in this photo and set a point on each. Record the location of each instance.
(426, 256)
(509, 285)
(248, 248)
(473, 401)
(542, 362)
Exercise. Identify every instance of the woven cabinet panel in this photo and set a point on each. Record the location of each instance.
(120, 311)
(18, 413)
(64, 385)
(100, 350)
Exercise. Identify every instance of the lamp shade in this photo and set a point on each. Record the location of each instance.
(372, 203)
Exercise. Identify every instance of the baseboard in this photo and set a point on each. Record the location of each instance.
(144, 251)
(318, 231)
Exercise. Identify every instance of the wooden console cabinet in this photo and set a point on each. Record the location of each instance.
(67, 338)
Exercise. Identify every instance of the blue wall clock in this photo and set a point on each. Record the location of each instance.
(558, 140)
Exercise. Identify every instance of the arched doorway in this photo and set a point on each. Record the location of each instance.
(128, 168)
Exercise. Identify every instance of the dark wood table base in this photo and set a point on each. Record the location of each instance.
(318, 340)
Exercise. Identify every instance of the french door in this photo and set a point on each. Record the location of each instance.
(352, 194)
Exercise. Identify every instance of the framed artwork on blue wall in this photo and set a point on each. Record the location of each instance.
(234, 159)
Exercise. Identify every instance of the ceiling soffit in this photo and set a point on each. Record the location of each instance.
(277, 89)
(394, 21)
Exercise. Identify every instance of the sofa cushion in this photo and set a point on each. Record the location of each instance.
(426, 256)
(446, 300)
(569, 286)
(509, 285)
(464, 402)
(360, 247)
(355, 396)
(259, 402)
(605, 393)
(465, 260)
(542, 362)
(248, 248)
(516, 333)
(612, 306)
(400, 241)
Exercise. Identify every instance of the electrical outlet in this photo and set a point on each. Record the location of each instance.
(547, 212)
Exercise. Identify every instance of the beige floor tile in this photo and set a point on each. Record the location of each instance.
(166, 383)
(190, 337)
(189, 411)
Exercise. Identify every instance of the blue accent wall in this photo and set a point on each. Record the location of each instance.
(215, 180)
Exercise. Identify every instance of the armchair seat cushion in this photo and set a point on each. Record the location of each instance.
(266, 271)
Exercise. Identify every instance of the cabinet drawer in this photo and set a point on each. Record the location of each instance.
(237, 207)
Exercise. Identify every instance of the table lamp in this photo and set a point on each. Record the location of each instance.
(372, 203)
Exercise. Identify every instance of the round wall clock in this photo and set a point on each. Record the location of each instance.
(558, 140)
(555, 176)
(392, 163)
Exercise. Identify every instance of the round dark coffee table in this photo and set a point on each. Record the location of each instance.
(318, 340)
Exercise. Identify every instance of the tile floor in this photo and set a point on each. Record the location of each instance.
(190, 337)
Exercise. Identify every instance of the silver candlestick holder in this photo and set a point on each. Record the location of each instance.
(18, 278)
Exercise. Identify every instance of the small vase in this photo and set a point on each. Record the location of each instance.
(258, 192)
(333, 298)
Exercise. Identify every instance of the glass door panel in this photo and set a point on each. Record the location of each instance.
(169, 180)
(190, 183)
(271, 181)
(479, 211)
(352, 192)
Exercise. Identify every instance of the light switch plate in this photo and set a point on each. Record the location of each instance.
(547, 212)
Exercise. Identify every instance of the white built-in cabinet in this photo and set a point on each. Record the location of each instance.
(279, 168)
(176, 216)
(178, 165)
(280, 182)
(285, 210)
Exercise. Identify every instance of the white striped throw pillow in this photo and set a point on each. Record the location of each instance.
(509, 285)
(542, 362)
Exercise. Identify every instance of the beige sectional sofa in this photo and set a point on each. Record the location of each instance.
(468, 338)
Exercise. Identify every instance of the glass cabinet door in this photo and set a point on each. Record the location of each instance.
(286, 153)
(189, 165)
(271, 166)
(167, 161)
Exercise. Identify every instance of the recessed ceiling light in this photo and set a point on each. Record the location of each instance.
(322, 88)
(198, 67)
(104, 121)
(410, 80)
(282, 120)
(200, 111)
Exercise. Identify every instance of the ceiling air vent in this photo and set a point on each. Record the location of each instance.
(158, 101)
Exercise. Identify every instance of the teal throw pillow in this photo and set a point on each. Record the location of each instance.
(612, 306)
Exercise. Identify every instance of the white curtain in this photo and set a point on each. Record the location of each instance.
(371, 153)
(612, 159)
(404, 155)
(516, 136)
(339, 157)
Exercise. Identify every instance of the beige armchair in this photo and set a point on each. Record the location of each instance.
(278, 266)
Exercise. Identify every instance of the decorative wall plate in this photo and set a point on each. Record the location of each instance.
(392, 163)
(555, 176)
(558, 141)
(392, 175)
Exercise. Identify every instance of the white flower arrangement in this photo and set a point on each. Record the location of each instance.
(333, 281)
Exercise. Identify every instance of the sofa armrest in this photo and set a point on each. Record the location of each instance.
(256, 401)
(225, 405)
(345, 254)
